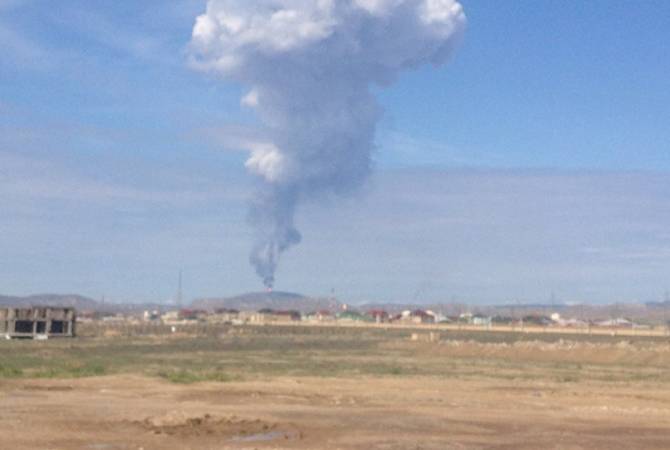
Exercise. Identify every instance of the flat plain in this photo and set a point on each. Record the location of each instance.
(220, 387)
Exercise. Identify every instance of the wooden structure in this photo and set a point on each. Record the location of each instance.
(37, 322)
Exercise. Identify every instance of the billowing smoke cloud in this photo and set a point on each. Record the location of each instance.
(310, 65)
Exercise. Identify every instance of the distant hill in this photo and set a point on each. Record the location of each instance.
(395, 308)
(71, 300)
(276, 300)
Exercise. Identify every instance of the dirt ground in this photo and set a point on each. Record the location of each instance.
(132, 412)
(306, 389)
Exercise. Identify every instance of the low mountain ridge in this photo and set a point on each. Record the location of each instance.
(277, 300)
(69, 300)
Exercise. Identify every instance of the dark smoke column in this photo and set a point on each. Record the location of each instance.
(309, 65)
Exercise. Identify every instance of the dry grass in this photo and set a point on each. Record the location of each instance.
(227, 353)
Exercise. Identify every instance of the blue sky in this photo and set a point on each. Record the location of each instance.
(535, 161)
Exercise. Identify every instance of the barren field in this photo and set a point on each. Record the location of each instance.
(308, 388)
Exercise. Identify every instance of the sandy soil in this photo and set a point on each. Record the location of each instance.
(133, 412)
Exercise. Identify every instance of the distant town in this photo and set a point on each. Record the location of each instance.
(281, 308)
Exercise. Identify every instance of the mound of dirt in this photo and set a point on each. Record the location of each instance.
(226, 427)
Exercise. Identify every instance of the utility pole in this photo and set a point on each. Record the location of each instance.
(553, 302)
(179, 290)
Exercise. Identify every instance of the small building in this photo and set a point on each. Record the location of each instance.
(619, 322)
(574, 322)
(351, 316)
(421, 316)
(379, 315)
(319, 316)
(465, 317)
(418, 316)
(481, 320)
(170, 317)
(478, 319)
(192, 315)
(37, 322)
(440, 317)
(537, 319)
(503, 320)
(268, 315)
(225, 315)
(151, 316)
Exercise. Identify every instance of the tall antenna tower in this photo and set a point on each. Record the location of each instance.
(179, 291)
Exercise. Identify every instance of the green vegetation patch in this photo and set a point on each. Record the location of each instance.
(189, 377)
(10, 372)
(75, 370)
(227, 354)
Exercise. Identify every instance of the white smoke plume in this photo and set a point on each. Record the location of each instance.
(310, 66)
